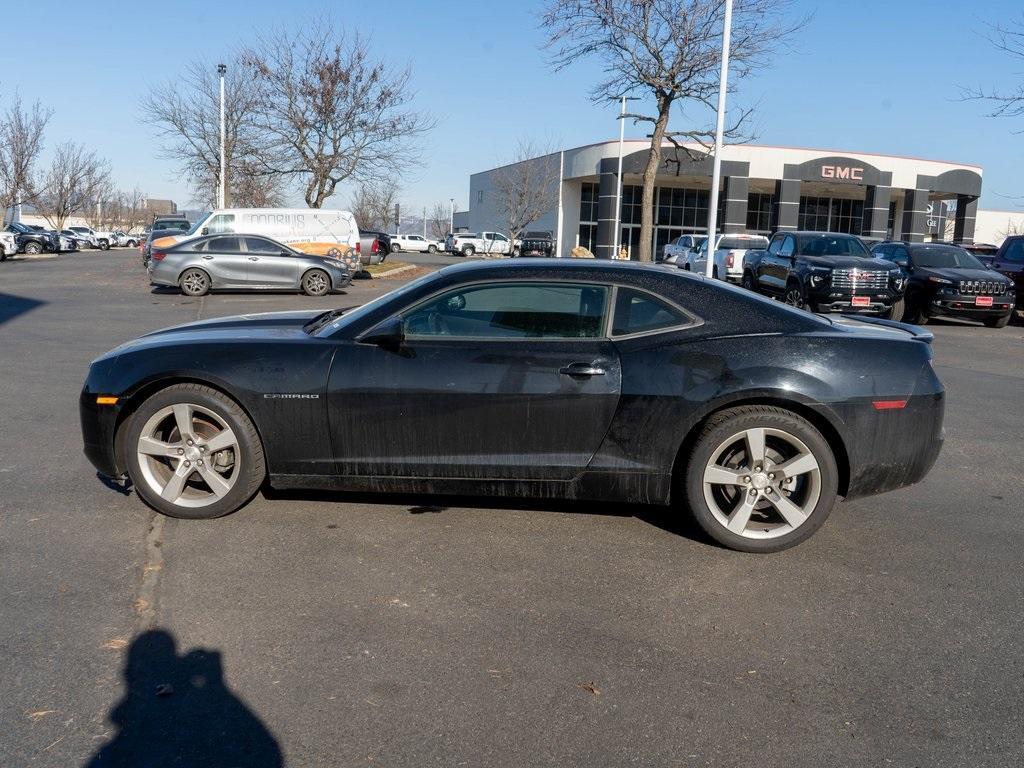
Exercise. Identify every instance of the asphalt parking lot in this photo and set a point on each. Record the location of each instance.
(339, 630)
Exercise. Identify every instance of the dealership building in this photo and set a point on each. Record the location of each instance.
(763, 189)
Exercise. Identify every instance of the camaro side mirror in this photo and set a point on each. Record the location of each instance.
(389, 334)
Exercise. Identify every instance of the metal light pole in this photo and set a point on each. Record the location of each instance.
(451, 219)
(619, 184)
(221, 69)
(716, 173)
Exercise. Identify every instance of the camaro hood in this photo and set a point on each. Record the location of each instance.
(850, 262)
(242, 324)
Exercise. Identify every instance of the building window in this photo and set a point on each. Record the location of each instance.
(588, 216)
(631, 198)
(831, 214)
(759, 212)
(813, 214)
(891, 226)
(683, 209)
(480, 196)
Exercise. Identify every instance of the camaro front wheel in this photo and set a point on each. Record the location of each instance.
(193, 453)
(760, 479)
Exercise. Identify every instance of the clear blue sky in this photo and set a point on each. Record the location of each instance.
(877, 76)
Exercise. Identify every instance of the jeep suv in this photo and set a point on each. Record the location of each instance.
(946, 280)
(826, 272)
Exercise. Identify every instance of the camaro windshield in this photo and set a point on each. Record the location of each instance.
(938, 257)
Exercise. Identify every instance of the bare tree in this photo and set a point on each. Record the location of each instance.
(21, 141)
(1008, 38)
(373, 204)
(668, 51)
(185, 114)
(332, 112)
(527, 189)
(74, 181)
(439, 221)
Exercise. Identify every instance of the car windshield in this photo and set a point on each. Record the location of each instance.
(944, 257)
(832, 245)
(360, 312)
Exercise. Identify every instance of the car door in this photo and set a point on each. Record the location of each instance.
(271, 265)
(763, 272)
(501, 244)
(780, 265)
(417, 244)
(224, 259)
(504, 380)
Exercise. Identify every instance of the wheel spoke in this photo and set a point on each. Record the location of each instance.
(719, 475)
(741, 515)
(223, 439)
(183, 418)
(798, 465)
(790, 512)
(217, 484)
(176, 484)
(755, 446)
(153, 447)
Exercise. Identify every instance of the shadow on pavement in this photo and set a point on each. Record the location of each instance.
(673, 519)
(13, 306)
(179, 711)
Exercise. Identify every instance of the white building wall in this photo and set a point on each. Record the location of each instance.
(486, 211)
(994, 226)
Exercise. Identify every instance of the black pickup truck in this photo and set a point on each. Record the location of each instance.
(33, 241)
(537, 244)
(826, 272)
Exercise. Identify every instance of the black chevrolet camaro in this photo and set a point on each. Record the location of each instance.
(573, 379)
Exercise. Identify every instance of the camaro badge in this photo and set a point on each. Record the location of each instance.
(289, 396)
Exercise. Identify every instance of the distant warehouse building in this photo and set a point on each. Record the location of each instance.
(763, 189)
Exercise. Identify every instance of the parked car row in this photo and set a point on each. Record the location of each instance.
(836, 272)
(18, 237)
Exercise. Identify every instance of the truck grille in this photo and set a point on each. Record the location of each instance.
(860, 279)
(982, 287)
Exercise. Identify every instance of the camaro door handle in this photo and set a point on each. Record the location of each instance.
(582, 369)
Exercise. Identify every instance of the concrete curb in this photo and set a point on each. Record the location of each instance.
(395, 271)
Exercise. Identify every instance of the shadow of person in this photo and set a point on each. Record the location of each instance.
(177, 711)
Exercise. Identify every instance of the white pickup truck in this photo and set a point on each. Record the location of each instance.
(414, 243)
(678, 249)
(469, 243)
(728, 255)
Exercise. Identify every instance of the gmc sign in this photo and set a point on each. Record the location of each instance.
(847, 172)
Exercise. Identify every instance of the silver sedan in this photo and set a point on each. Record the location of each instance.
(247, 262)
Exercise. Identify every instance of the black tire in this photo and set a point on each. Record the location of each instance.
(913, 312)
(431, 249)
(131, 244)
(795, 295)
(33, 248)
(3, 255)
(251, 459)
(104, 245)
(726, 424)
(395, 248)
(516, 252)
(714, 271)
(194, 282)
(316, 282)
(748, 281)
(468, 250)
(998, 322)
(898, 308)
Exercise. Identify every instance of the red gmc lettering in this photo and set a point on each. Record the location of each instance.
(842, 172)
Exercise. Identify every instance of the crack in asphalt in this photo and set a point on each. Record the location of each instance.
(146, 595)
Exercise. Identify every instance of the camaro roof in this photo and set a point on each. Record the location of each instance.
(568, 266)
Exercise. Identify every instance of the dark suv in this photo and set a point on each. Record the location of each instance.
(826, 272)
(31, 240)
(537, 244)
(1009, 261)
(945, 279)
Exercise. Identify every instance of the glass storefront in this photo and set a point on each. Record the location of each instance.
(831, 214)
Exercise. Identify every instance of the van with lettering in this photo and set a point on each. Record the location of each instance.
(316, 231)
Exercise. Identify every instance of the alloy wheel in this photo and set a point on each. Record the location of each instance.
(795, 296)
(762, 483)
(188, 455)
(195, 282)
(316, 284)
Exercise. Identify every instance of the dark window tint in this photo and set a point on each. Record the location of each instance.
(830, 245)
(775, 245)
(259, 245)
(637, 312)
(224, 245)
(788, 246)
(945, 257)
(513, 310)
(1014, 251)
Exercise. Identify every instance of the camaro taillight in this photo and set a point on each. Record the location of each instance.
(157, 255)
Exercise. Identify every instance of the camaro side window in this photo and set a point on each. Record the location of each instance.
(638, 312)
(513, 311)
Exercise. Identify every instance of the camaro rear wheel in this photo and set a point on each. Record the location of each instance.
(193, 453)
(760, 479)
(194, 282)
(316, 283)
